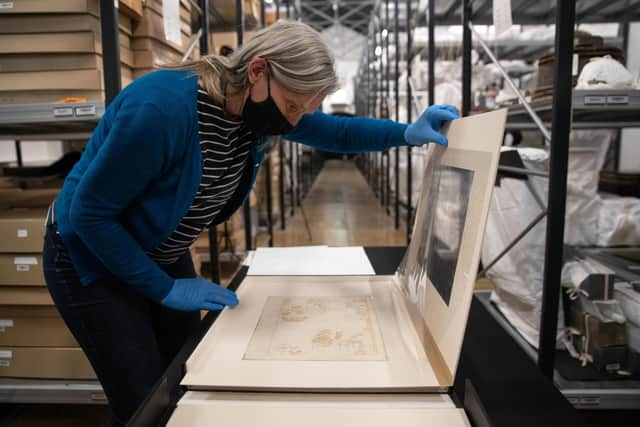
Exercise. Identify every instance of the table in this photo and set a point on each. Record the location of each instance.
(496, 382)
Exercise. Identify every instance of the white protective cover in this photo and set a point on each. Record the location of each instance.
(629, 300)
(518, 276)
(604, 73)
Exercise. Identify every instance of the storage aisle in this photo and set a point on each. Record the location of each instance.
(340, 210)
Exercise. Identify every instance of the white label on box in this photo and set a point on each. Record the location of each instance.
(6, 354)
(502, 16)
(63, 112)
(6, 5)
(617, 99)
(5, 363)
(22, 268)
(171, 20)
(6, 323)
(89, 110)
(22, 234)
(25, 260)
(595, 100)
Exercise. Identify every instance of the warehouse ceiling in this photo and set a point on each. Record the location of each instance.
(322, 14)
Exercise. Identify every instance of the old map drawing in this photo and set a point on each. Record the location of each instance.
(317, 329)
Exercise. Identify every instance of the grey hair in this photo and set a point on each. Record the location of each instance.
(297, 58)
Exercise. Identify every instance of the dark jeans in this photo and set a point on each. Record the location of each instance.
(129, 339)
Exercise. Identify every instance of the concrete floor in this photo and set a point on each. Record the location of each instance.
(340, 210)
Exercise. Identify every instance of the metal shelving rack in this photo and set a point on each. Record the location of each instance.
(565, 110)
(554, 117)
(71, 122)
(75, 122)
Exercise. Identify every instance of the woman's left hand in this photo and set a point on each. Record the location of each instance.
(425, 129)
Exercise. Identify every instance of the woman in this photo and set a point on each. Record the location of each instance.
(178, 150)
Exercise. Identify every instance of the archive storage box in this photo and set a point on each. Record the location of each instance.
(52, 50)
(151, 48)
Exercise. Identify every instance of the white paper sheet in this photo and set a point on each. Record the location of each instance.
(171, 21)
(311, 261)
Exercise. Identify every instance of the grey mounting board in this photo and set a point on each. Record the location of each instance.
(623, 394)
(592, 109)
(51, 391)
(27, 121)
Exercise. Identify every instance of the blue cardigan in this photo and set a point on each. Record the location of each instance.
(142, 167)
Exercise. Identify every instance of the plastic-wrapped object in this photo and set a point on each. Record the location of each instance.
(618, 221)
(588, 278)
(629, 300)
(604, 73)
(518, 276)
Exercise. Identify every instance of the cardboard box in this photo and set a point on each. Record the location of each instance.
(227, 9)
(25, 295)
(19, 198)
(59, 80)
(21, 270)
(80, 41)
(601, 334)
(51, 6)
(47, 362)
(158, 55)
(44, 80)
(58, 23)
(131, 8)
(22, 230)
(34, 326)
(39, 96)
(228, 38)
(13, 63)
(139, 72)
(185, 9)
(152, 25)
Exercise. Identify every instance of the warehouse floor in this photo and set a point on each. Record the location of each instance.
(339, 210)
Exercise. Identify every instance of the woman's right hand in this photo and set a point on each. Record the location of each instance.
(198, 294)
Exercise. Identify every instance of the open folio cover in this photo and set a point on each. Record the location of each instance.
(360, 334)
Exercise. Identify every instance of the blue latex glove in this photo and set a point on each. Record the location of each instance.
(198, 294)
(425, 129)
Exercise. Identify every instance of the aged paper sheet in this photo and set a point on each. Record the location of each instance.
(317, 328)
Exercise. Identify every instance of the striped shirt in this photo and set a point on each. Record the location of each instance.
(225, 144)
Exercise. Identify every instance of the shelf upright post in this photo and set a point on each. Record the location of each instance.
(281, 183)
(396, 86)
(466, 57)
(558, 166)
(386, 103)
(110, 50)
(409, 109)
(292, 170)
(268, 183)
(299, 178)
(432, 51)
(214, 256)
(248, 232)
(204, 26)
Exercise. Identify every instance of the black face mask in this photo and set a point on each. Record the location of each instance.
(264, 118)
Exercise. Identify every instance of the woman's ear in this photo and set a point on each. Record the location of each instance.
(257, 66)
